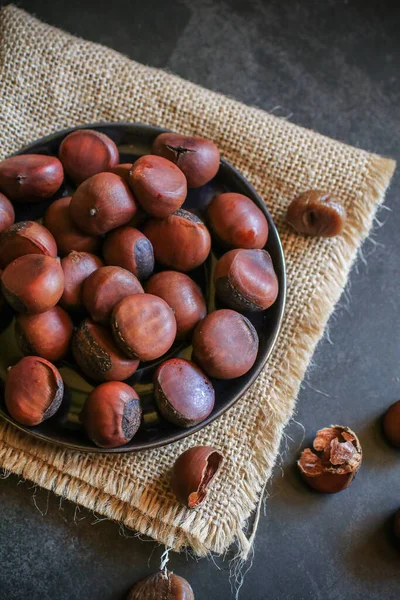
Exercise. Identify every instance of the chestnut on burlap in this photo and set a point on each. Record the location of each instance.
(50, 80)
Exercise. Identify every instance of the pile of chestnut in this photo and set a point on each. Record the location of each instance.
(117, 255)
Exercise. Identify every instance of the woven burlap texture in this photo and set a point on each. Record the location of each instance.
(50, 80)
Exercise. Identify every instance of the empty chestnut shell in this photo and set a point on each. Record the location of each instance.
(7, 214)
(225, 344)
(111, 414)
(197, 157)
(101, 203)
(67, 235)
(334, 461)
(236, 221)
(86, 152)
(128, 248)
(30, 177)
(77, 267)
(104, 288)
(144, 326)
(34, 390)
(391, 424)
(25, 237)
(123, 170)
(316, 213)
(46, 334)
(159, 185)
(246, 280)
(181, 241)
(193, 473)
(97, 355)
(163, 585)
(33, 283)
(183, 295)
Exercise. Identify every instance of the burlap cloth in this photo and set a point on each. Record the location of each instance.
(50, 80)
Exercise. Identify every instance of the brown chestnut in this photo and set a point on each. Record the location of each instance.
(163, 585)
(97, 355)
(159, 185)
(101, 203)
(7, 214)
(30, 177)
(183, 295)
(334, 461)
(144, 326)
(128, 248)
(111, 414)
(225, 344)
(181, 241)
(193, 473)
(25, 237)
(237, 222)
(397, 525)
(123, 170)
(46, 334)
(104, 288)
(67, 235)
(34, 390)
(33, 283)
(77, 267)
(86, 152)
(246, 280)
(391, 424)
(316, 213)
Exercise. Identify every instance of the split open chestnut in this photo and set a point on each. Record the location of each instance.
(7, 214)
(316, 213)
(30, 177)
(163, 585)
(25, 237)
(77, 267)
(85, 152)
(391, 424)
(46, 334)
(128, 248)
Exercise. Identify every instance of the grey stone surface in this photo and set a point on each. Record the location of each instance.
(332, 66)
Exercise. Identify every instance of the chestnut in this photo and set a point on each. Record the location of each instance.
(25, 237)
(181, 241)
(30, 177)
(77, 267)
(86, 152)
(397, 525)
(67, 235)
(111, 414)
(236, 221)
(391, 424)
(193, 473)
(334, 461)
(316, 213)
(46, 334)
(144, 326)
(163, 585)
(183, 295)
(34, 390)
(7, 214)
(128, 248)
(33, 283)
(225, 344)
(123, 170)
(197, 157)
(246, 280)
(159, 185)
(101, 203)
(104, 288)
(97, 355)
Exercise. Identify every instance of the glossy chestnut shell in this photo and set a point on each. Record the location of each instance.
(128, 248)
(46, 334)
(30, 177)
(25, 237)
(7, 214)
(77, 267)
(123, 170)
(316, 213)
(391, 424)
(163, 585)
(86, 152)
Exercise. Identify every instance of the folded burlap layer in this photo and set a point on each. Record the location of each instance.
(50, 80)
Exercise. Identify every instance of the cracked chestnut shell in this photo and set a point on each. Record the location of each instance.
(316, 213)
(25, 237)
(332, 464)
(30, 177)
(391, 424)
(246, 280)
(193, 473)
(34, 390)
(77, 267)
(86, 152)
(128, 248)
(197, 157)
(111, 414)
(46, 334)
(163, 585)
(7, 214)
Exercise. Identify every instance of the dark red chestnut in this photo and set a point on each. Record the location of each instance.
(77, 267)
(123, 170)
(101, 203)
(7, 214)
(33, 283)
(104, 288)
(144, 326)
(334, 461)
(225, 344)
(391, 424)
(316, 213)
(159, 185)
(25, 237)
(163, 585)
(181, 241)
(46, 334)
(193, 473)
(30, 177)
(97, 355)
(85, 152)
(246, 280)
(34, 390)
(128, 248)
(111, 414)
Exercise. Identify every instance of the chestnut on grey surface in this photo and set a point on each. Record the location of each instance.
(30, 177)
(316, 213)
(25, 237)
(130, 249)
(391, 424)
(46, 334)
(163, 585)
(77, 267)
(7, 214)
(86, 152)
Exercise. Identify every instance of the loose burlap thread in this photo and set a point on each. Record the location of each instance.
(50, 80)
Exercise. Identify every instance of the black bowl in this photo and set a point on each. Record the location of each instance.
(64, 428)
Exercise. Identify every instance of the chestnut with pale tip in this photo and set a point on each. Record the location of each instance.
(163, 585)
(86, 152)
(7, 214)
(30, 177)
(316, 213)
(77, 267)
(130, 249)
(46, 334)
(25, 237)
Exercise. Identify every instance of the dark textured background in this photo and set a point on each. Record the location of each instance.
(332, 65)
